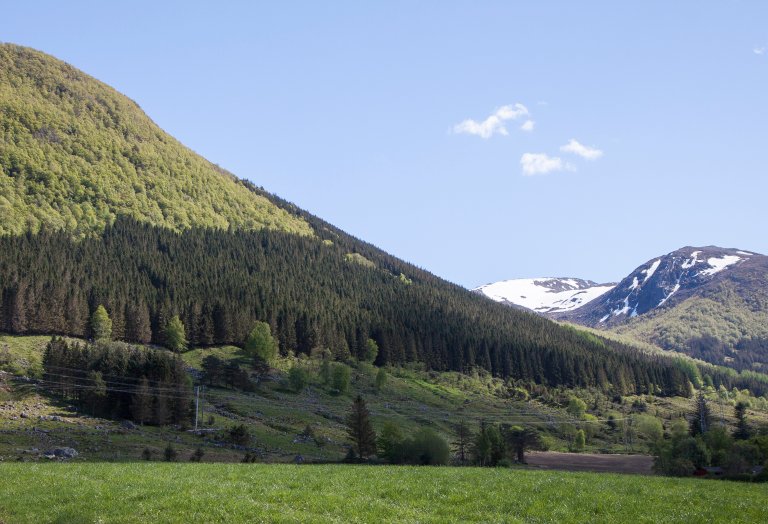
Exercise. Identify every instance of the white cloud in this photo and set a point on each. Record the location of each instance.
(759, 50)
(493, 124)
(583, 151)
(541, 164)
(528, 125)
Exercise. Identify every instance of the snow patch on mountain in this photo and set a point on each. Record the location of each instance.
(651, 270)
(716, 265)
(674, 290)
(545, 295)
(691, 261)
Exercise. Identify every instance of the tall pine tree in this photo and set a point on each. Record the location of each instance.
(360, 430)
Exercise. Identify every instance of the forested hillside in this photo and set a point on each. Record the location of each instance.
(75, 154)
(98, 206)
(313, 296)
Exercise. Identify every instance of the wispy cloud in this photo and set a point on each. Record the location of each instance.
(541, 164)
(759, 50)
(573, 146)
(494, 124)
(528, 126)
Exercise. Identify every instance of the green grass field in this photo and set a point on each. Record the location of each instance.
(152, 492)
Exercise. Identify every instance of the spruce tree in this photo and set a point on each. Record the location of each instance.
(141, 404)
(462, 442)
(360, 430)
(702, 416)
(520, 439)
(743, 431)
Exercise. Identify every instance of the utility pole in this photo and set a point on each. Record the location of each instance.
(197, 403)
(202, 409)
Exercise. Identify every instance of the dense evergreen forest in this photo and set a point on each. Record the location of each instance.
(119, 380)
(98, 206)
(312, 294)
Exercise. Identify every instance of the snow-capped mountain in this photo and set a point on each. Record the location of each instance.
(545, 295)
(661, 282)
(708, 302)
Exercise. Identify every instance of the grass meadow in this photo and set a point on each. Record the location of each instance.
(174, 492)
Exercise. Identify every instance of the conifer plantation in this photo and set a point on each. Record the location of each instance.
(220, 284)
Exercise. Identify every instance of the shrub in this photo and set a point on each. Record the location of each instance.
(298, 378)
(426, 448)
(239, 435)
(381, 379)
(340, 375)
(579, 442)
(576, 407)
(170, 453)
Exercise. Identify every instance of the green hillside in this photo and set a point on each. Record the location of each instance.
(75, 154)
(80, 160)
(720, 326)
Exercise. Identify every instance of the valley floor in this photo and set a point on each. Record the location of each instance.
(154, 492)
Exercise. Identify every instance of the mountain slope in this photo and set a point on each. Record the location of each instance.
(666, 281)
(709, 302)
(75, 154)
(135, 222)
(545, 295)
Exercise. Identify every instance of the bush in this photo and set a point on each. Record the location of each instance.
(381, 379)
(170, 453)
(340, 375)
(576, 407)
(426, 448)
(391, 443)
(298, 378)
(197, 455)
(579, 442)
(249, 458)
(239, 435)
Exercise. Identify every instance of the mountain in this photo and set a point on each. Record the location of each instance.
(75, 154)
(98, 206)
(664, 281)
(545, 295)
(709, 302)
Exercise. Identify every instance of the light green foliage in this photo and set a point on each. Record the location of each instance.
(381, 379)
(175, 337)
(298, 377)
(340, 375)
(649, 427)
(390, 443)
(405, 280)
(723, 315)
(576, 407)
(101, 324)
(75, 153)
(371, 350)
(22, 355)
(691, 370)
(357, 258)
(261, 343)
(579, 441)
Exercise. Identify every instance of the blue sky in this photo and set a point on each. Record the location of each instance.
(374, 116)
